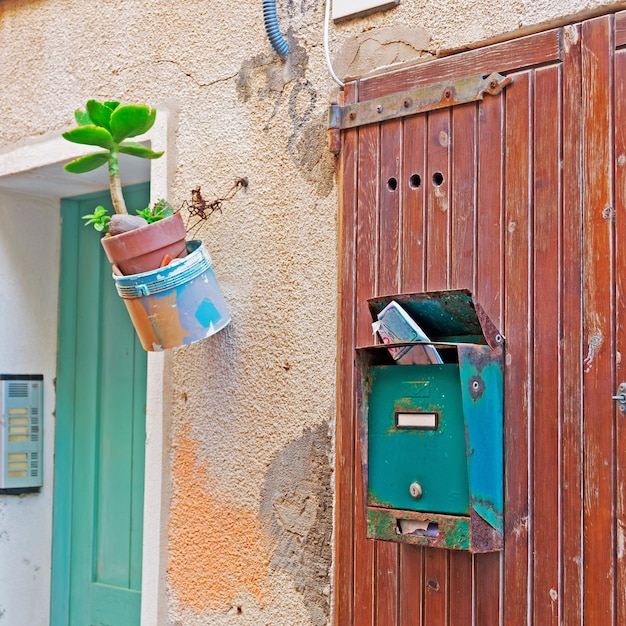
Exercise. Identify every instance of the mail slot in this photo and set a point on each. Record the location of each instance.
(430, 422)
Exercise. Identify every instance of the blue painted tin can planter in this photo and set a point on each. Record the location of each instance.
(175, 305)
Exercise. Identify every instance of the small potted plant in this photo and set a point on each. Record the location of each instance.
(167, 283)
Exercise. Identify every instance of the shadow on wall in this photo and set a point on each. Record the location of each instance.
(285, 89)
(296, 512)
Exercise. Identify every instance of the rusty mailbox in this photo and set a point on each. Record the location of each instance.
(430, 422)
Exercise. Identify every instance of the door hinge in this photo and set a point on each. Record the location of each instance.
(419, 100)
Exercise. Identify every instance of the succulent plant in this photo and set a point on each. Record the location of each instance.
(109, 125)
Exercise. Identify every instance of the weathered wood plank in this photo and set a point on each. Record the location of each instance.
(504, 57)
(386, 583)
(412, 264)
(518, 342)
(462, 275)
(386, 571)
(620, 277)
(489, 290)
(390, 192)
(546, 346)
(436, 570)
(366, 276)
(411, 585)
(463, 197)
(599, 428)
(461, 576)
(490, 199)
(438, 200)
(414, 184)
(572, 358)
(367, 230)
(487, 577)
(620, 29)
(345, 427)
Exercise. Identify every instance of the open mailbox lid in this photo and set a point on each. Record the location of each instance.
(453, 316)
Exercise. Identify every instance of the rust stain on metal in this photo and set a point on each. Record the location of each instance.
(494, 338)
(218, 551)
(485, 538)
(374, 500)
(476, 387)
(453, 532)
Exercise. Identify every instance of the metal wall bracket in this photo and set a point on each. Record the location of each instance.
(420, 100)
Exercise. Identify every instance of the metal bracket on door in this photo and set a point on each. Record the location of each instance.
(429, 98)
(621, 397)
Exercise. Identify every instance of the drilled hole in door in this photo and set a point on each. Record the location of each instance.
(392, 184)
(415, 181)
(437, 179)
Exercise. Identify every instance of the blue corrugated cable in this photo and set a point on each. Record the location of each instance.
(271, 26)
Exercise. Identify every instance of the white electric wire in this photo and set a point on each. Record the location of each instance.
(326, 46)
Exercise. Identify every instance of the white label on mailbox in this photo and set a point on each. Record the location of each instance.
(417, 420)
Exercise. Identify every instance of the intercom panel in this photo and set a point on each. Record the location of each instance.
(21, 432)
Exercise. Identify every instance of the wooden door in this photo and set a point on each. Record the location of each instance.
(100, 435)
(514, 197)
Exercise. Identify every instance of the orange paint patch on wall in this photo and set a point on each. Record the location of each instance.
(217, 548)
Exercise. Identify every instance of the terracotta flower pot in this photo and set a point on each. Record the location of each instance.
(143, 249)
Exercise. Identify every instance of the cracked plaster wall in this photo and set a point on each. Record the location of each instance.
(250, 456)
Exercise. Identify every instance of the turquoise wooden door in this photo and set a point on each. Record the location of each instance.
(100, 435)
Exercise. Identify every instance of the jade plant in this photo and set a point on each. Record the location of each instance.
(109, 126)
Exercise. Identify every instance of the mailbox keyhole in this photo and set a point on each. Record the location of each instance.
(415, 489)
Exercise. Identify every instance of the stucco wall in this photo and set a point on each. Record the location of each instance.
(28, 320)
(250, 457)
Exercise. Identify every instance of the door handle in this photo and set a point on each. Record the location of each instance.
(621, 397)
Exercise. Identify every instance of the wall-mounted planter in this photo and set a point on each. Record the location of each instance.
(143, 249)
(175, 305)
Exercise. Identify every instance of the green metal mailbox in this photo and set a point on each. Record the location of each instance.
(430, 425)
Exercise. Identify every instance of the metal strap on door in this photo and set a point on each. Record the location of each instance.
(420, 100)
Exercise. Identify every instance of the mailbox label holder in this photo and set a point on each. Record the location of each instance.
(438, 425)
(417, 420)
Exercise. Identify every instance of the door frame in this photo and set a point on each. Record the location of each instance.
(32, 161)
